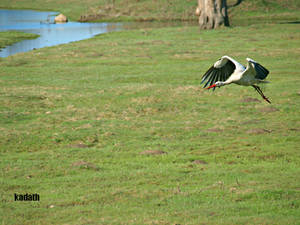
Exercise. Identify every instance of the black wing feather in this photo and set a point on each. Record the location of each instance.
(210, 78)
(218, 74)
(207, 74)
(223, 76)
(214, 77)
(218, 77)
(261, 72)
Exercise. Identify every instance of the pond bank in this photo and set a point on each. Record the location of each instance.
(10, 37)
(50, 34)
(47, 32)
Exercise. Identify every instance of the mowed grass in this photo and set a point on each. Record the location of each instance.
(75, 119)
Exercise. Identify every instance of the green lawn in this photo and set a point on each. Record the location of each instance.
(76, 118)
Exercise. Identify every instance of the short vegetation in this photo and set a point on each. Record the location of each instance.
(117, 130)
(11, 37)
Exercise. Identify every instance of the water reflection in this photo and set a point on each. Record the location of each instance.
(42, 23)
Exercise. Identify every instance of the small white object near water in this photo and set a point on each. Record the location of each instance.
(61, 18)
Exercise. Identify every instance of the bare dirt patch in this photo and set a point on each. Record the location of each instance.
(78, 146)
(258, 131)
(250, 100)
(85, 165)
(199, 162)
(251, 122)
(153, 152)
(214, 130)
(269, 109)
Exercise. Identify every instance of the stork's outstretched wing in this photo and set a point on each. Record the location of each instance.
(220, 71)
(261, 72)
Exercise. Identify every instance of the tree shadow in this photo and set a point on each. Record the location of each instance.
(291, 22)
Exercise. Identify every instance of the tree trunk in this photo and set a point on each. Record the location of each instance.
(212, 14)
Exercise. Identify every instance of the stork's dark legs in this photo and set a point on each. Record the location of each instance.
(257, 88)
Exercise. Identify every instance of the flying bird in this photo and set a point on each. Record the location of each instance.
(227, 71)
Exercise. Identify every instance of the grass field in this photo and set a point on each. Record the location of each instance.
(117, 130)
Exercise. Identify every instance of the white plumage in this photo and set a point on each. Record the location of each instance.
(227, 71)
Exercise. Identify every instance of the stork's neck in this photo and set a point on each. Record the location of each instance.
(222, 83)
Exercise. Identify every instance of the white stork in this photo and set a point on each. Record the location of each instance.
(226, 71)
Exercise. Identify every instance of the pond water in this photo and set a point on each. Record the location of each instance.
(42, 23)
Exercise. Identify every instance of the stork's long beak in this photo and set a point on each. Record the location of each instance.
(211, 86)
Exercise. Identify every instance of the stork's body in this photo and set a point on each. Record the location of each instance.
(227, 71)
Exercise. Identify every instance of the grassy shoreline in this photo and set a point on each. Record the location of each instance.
(117, 130)
(11, 37)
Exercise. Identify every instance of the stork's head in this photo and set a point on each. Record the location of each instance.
(217, 84)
